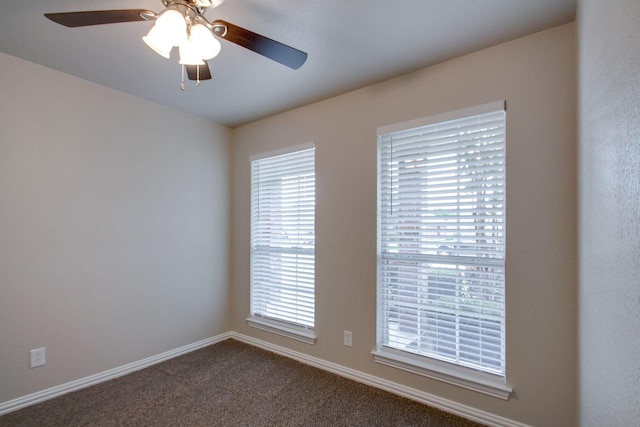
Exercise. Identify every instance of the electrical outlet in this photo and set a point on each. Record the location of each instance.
(38, 357)
(348, 339)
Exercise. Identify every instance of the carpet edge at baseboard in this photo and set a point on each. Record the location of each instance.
(343, 371)
(446, 405)
(110, 374)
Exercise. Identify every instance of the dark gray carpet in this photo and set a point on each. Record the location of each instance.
(231, 384)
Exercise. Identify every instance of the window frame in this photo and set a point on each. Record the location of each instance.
(304, 333)
(429, 366)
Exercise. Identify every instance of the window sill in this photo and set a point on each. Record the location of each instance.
(481, 382)
(297, 333)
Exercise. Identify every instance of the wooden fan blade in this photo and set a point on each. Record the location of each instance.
(198, 72)
(285, 55)
(98, 17)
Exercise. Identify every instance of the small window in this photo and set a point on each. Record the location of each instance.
(441, 247)
(283, 244)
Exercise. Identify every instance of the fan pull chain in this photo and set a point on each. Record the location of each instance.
(197, 75)
(182, 81)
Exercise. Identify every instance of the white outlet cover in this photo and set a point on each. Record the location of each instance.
(38, 357)
(348, 338)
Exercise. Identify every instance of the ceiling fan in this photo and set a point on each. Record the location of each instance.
(182, 24)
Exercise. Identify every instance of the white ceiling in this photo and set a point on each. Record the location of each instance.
(350, 43)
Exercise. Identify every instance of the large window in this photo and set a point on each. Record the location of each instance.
(441, 247)
(283, 243)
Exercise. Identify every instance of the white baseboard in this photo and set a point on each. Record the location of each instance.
(446, 405)
(50, 393)
(364, 378)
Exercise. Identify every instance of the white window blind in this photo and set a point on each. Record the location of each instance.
(441, 240)
(283, 238)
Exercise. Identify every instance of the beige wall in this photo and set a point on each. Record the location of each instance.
(113, 228)
(609, 47)
(536, 75)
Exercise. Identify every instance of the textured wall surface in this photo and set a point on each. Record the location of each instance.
(609, 123)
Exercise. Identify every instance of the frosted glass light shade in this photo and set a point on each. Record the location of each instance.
(209, 3)
(157, 40)
(189, 55)
(173, 25)
(203, 41)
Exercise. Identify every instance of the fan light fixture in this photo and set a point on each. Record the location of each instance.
(182, 24)
(175, 28)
